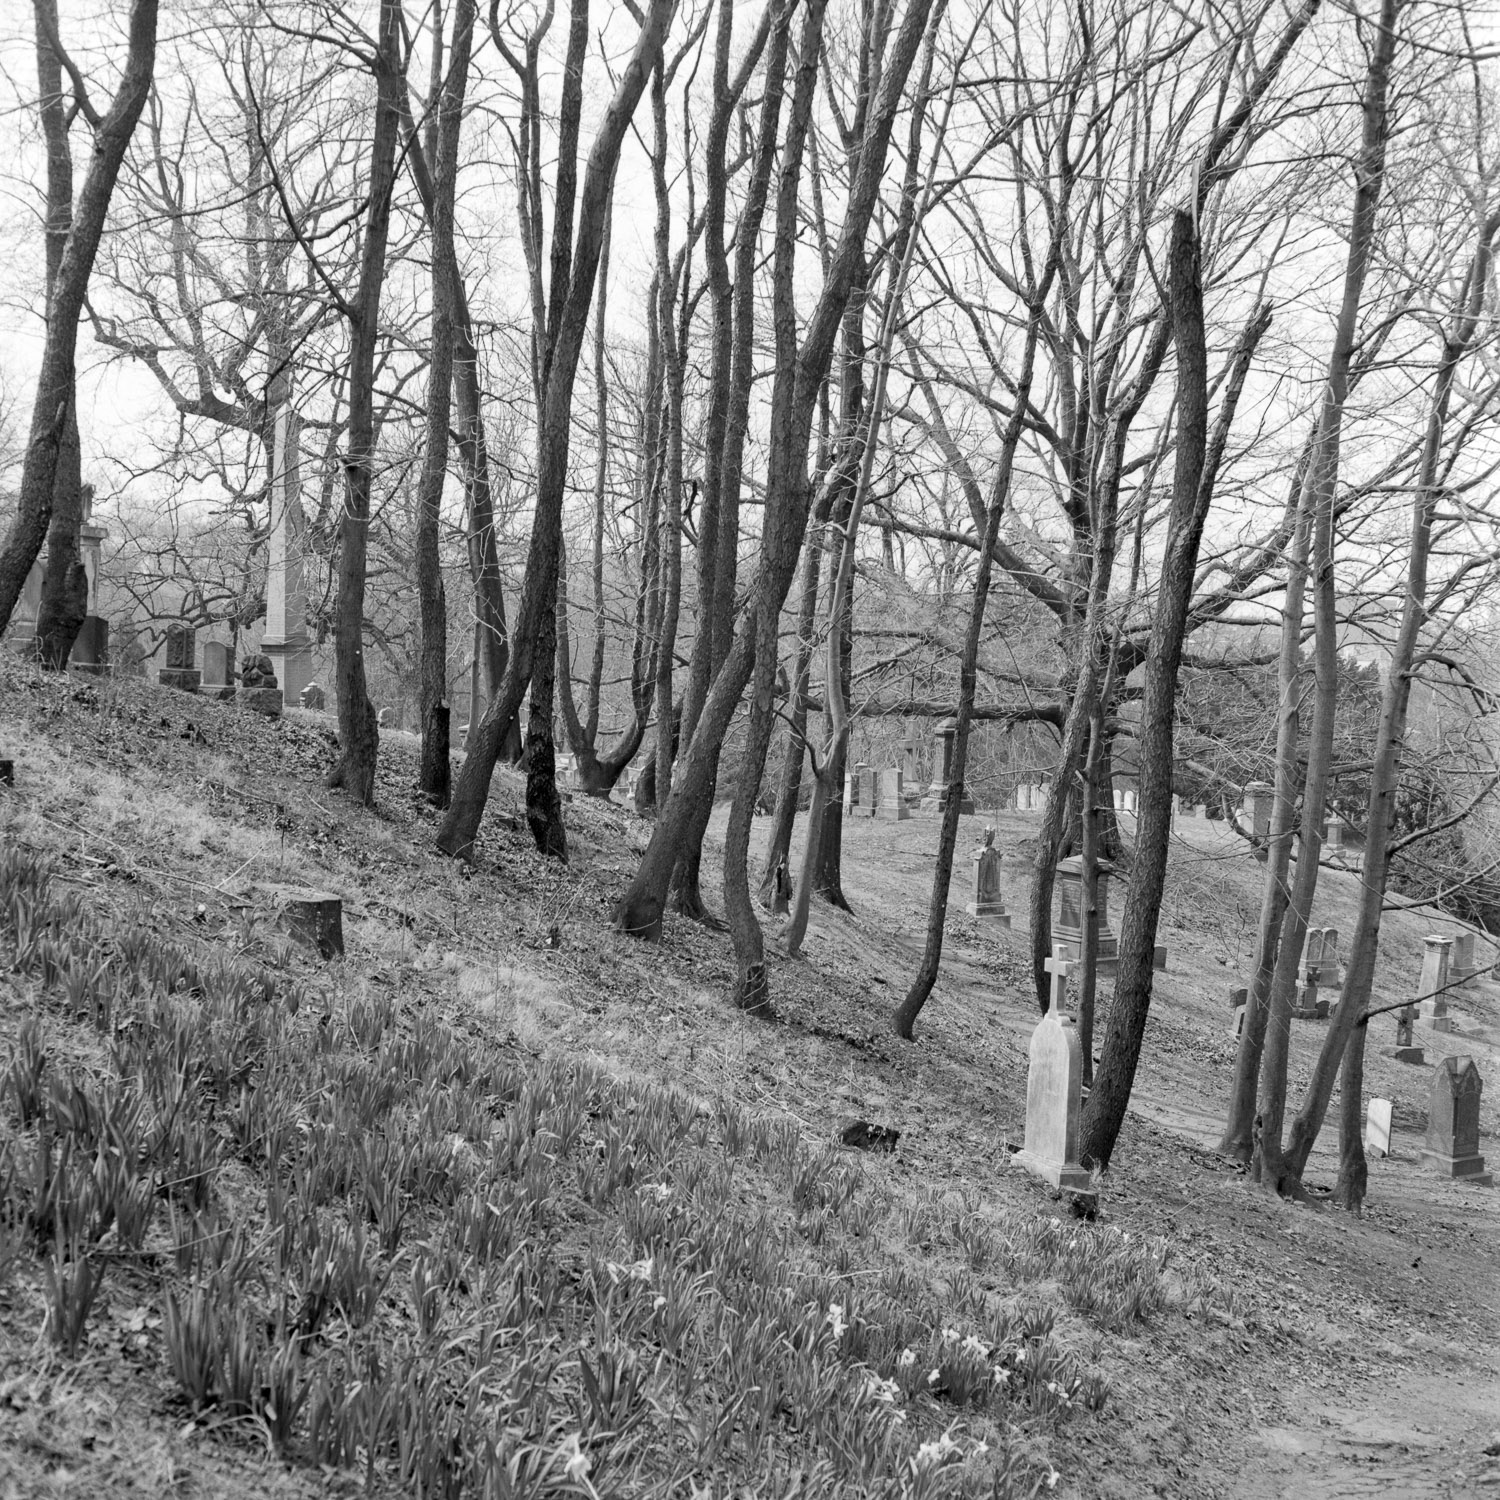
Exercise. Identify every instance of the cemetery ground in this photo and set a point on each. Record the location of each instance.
(503, 1199)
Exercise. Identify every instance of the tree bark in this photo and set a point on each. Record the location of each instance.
(56, 387)
(574, 268)
(435, 772)
(359, 736)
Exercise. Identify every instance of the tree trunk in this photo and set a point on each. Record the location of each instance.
(56, 389)
(1273, 1166)
(574, 269)
(1192, 494)
(436, 770)
(359, 736)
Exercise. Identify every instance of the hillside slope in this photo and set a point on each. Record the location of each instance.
(695, 1289)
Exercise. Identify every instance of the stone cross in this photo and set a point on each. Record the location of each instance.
(1406, 1050)
(1378, 1128)
(1453, 1122)
(1433, 1004)
(1053, 1092)
(908, 752)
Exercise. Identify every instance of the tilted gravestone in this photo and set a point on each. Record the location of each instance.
(1432, 1004)
(985, 899)
(1378, 1128)
(1453, 1122)
(1053, 1092)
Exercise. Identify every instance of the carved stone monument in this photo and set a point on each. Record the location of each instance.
(1432, 1005)
(945, 732)
(985, 899)
(258, 686)
(1053, 1091)
(1453, 1122)
(1067, 929)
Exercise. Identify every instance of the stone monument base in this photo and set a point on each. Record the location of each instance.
(1441, 1022)
(184, 679)
(991, 911)
(263, 700)
(1070, 1179)
(1461, 1168)
(1413, 1055)
(886, 813)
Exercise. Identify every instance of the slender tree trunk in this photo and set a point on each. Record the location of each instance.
(359, 736)
(435, 770)
(56, 387)
(574, 269)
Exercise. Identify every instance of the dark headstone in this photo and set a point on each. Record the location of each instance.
(91, 646)
(261, 700)
(317, 919)
(1453, 1122)
(258, 672)
(182, 646)
(184, 679)
(218, 664)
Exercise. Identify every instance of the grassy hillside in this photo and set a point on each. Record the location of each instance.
(502, 1203)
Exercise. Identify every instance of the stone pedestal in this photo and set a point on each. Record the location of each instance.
(1432, 1004)
(1453, 1122)
(184, 679)
(1053, 1092)
(945, 732)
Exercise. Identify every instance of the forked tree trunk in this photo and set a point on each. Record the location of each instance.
(56, 385)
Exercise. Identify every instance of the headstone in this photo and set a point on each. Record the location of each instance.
(1067, 930)
(907, 750)
(259, 691)
(1053, 1084)
(1330, 976)
(1432, 1003)
(91, 646)
(1237, 1025)
(1406, 1050)
(1461, 961)
(945, 732)
(1132, 801)
(851, 791)
(1239, 994)
(1119, 799)
(890, 795)
(1306, 1006)
(1023, 796)
(312, 696)
(386, 719)
(1453, 1122)
(181, 647)
(1260, 797)
(985, 899)
(867, 790)
(1334, 838)
(1378, 1128)
(258, 672)
(218, 664)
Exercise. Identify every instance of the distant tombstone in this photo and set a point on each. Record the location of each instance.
(945, 732)
(91, 646)
(1119, 799)
(1406, 1050)
(312, 696)
(867, 790)
(218, 664)
(258, 671)
(1338, 831)
(985, 899)
(1260, 797)
(181, 647)
(1067, 930)
(1378, 1128)
(907, 750)
(1453, 1122)
(386, 719)
(1237, 1024)
(1306, 1006)
(1023, 796)
(259, 691)
(1058, 969)
(1239, 994)
(1461, 961)
(851, 790)
(1328, 958)
(1053, 1084)
(890, 795)
(1432, 1003)
(1132, 801)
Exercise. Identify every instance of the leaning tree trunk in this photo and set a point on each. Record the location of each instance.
(359, 736)
(56, 382)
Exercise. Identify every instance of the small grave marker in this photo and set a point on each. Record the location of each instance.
(1378, 1128)
(1406, 1050)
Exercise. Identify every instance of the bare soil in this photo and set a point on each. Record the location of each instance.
(1358, 1356)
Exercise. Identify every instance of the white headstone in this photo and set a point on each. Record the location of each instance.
(1053, 1086)
(1378, 1128)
